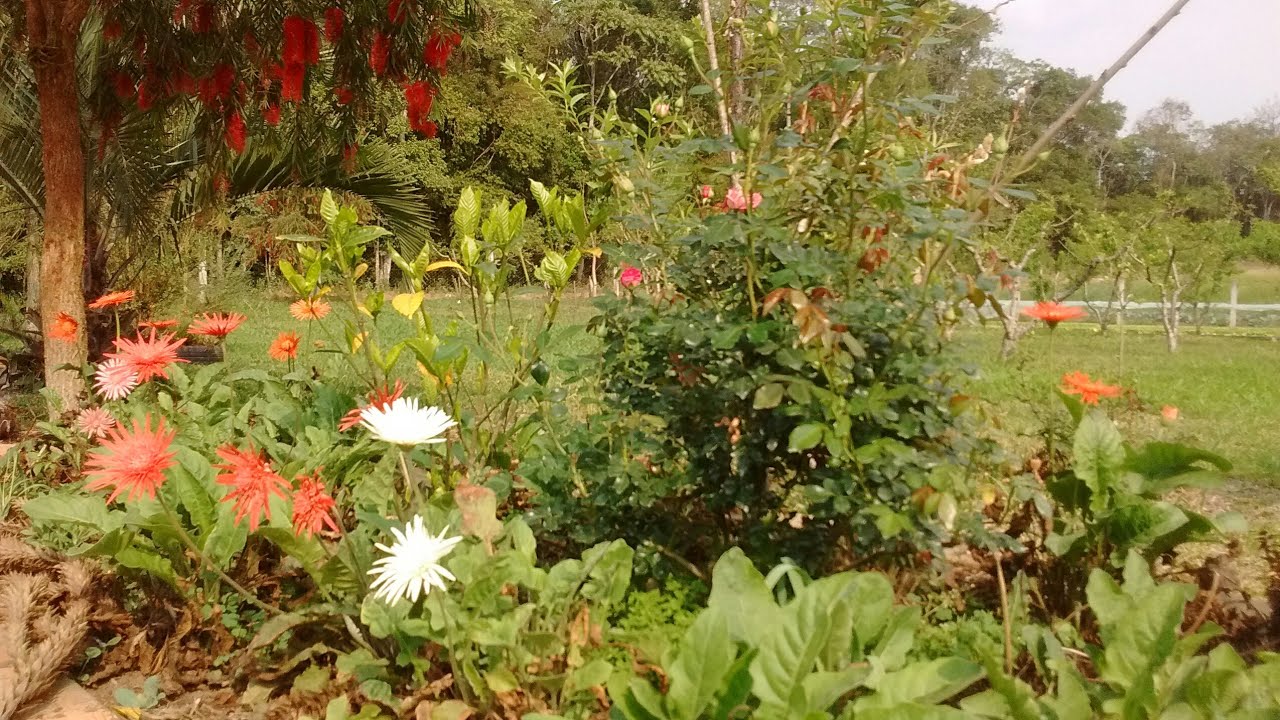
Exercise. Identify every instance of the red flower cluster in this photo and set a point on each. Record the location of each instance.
(252, 481)
(215, 89)
(301, 50)
(439, 48)
(343, 95)
(271, 114)
(397, 12)
(379, 53)
(334, 20)
(235, 132)
(418, 97)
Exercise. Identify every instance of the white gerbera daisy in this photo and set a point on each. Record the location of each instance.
(412, 566)
(406, 423)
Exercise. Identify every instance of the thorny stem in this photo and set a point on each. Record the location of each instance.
(204, 560)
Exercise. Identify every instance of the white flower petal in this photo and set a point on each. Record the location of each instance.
(412, 566)
(404, 422)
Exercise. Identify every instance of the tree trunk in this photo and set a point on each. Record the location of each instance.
(737, 89)
(33, 266)
(53, 27)
(1169, 317)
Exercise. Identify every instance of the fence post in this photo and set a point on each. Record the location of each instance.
(1235, 300)
(204, 280)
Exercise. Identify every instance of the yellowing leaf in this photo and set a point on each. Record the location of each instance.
(595, 252)
(361, 269)
(408, 303)
(357, 342)
(442, 264)
(131, 713)
(364, 310)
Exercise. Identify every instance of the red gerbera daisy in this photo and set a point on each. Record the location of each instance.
(380, 398)
(65, 328)
(217, 325)
(253, 482)
(285, 346)
(1053, 313)
(1089, 390)
(309, 309)
(150, 356)
(312, 507)
(111, 299)
(132, 462)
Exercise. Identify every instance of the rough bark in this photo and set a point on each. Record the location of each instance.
(737, 50)
(53, 27)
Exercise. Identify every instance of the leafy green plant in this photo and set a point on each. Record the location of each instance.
(1145, 666)
(776, 383)
(1112, 500)
(838, 647)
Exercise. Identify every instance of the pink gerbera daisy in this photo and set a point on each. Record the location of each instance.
(216, 325)
(94, 422)
(115, 379)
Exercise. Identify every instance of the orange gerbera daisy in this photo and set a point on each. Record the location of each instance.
(312, 507)
(157, 324)
(1053, 313)
(132, 462)
(111, 299)
(380, 398)
(216, 324)
(285, 346)
(309, 309)
(253, 482)
(1089, 390)
(65, 328)
(150, 356)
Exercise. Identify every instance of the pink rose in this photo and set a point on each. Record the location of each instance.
(631, 276)
(736, 200)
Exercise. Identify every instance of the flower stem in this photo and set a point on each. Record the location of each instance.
(117, 314)
(410, 489)
(204, 560)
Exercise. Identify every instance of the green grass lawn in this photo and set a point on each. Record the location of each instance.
(1226, 385)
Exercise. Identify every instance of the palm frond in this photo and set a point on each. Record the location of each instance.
(21, 166)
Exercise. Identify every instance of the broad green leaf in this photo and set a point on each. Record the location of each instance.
(805, 436)
(226, 538)
(191, 478)
(926, 682)
(467, 216)
(823, 689)
(768, 396)
(1161, 460)
(1099, 454)
(738, 590)
(705, 658)
(328, 208)
(593, 674)
(64, 508)
(789, 649)
(1143, 523)
(139, 559)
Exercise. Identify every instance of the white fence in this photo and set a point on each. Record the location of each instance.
(1118, 309)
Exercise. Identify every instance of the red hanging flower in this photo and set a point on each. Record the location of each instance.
(235, 132)
(301, 41)
(217, 86)
(418, 97)
(184, 83)
(397, 12)
(379, 53)
(147, 92)
(292, 79)
(205, 17)
(253, 482)
(349, 156)
(334, 19)
(439, 47)
(429, 128)
(271, 114)
(343, 95)
(122, 84)
(112, 31)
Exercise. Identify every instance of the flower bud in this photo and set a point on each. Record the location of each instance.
(662, 109)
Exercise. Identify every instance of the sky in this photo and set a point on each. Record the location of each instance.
(1221, 56)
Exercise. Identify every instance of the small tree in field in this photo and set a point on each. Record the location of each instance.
(1182, 259)
(307, 68)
